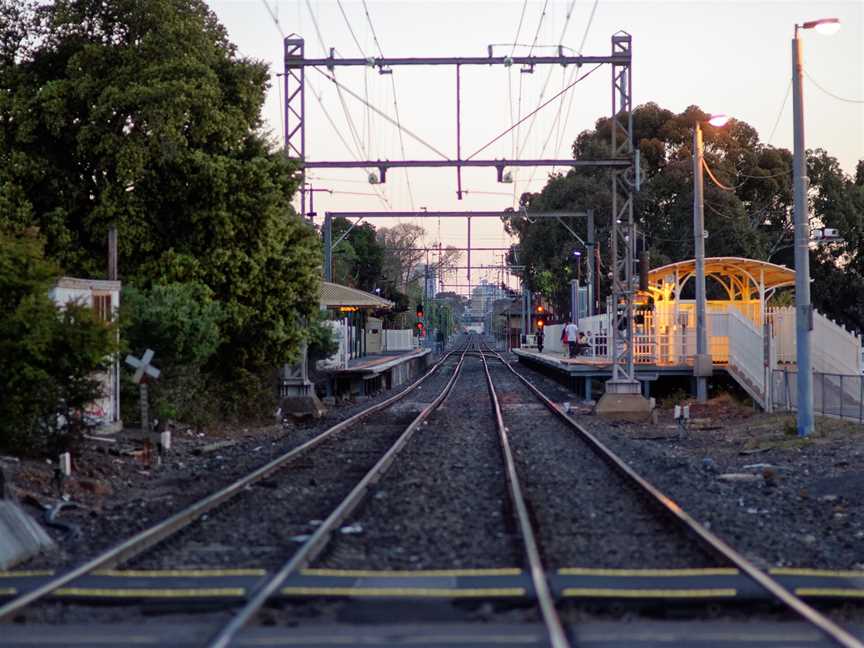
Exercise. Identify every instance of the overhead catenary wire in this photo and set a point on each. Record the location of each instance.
(579, 52)
(395, 103)
(351, 127)
(534, 112)
(317, 96)
(381, 113)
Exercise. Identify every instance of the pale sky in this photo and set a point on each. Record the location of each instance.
(729, 57)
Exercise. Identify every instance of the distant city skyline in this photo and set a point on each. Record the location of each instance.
(730, 57)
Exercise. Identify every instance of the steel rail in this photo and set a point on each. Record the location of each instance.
(714, 543)
(145, 539)
(319, 540)
(557, 638)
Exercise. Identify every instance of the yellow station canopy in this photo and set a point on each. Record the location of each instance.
(736, 269)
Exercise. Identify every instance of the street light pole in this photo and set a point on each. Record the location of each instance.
(803, 311)
(702, 366)
(800, 182)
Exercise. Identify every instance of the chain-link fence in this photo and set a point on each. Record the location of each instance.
(833, 394)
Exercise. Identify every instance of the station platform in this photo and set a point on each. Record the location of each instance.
(373, 372)
(581, 372)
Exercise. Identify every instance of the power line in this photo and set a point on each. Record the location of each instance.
(350, 28)
(395, 102)
(534, 112)
(782, 108)
(317, 95)
(579, 52)
(382, 113)
(831, 94)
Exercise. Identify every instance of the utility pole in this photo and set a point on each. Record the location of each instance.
(702, 366)
(328, 247)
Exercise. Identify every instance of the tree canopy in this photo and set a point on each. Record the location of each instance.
(754, 219)
(142, 113)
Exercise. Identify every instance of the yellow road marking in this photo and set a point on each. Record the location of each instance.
(608, 592)
(829, 591)
(181, 573)
(587, 571)
(368, 573)
(25, 574)
(406, 591)
(795, 571)
(131, 592)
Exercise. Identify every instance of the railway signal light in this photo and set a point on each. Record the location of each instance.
(540, 323)
(421, 329)
(419, 311)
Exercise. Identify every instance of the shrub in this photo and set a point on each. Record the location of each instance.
(181, 323)
(49, 355)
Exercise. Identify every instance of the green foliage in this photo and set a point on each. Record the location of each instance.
(49, 355)
(180, 322)
(141, 113)
(754, 220)
(322, 341)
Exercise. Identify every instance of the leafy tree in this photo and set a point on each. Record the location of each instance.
(141, 113)
(49, 354)
(754, 219)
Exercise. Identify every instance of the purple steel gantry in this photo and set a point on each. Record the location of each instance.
(620, 163)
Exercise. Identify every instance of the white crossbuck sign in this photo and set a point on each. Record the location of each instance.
(143, 366)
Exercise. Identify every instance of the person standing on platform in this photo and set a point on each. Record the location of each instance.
(539, 337)
(572, 335)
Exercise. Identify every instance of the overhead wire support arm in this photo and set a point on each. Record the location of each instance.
(386, 62)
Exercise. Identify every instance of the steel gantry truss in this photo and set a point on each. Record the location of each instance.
(623, 239)
(620, 162)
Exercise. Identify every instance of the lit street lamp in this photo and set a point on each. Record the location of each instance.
(803, 307)
(702, 366)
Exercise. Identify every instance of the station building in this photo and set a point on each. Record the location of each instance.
(748, 338)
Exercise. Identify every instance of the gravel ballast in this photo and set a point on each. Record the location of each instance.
(444, 502)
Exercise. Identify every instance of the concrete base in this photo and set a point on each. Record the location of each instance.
(624, 407)
(20, 536)
(308, 406)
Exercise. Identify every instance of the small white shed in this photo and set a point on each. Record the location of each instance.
(103, 296)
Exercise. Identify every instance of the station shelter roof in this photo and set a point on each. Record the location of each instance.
(335, 295)
(735, 270)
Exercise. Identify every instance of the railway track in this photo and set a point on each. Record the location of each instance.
(538, 489)
(709, 541)
(199, 512)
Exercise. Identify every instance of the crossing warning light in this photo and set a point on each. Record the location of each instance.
(419, 311)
